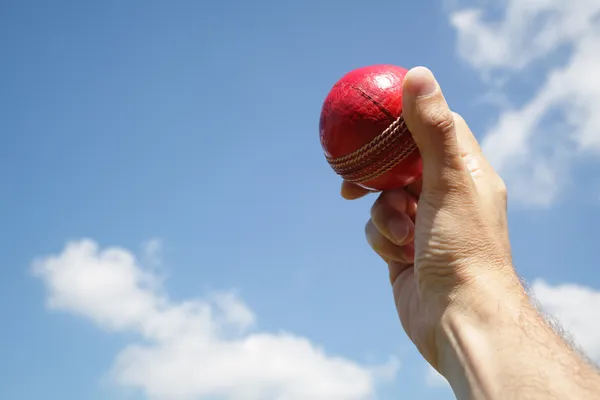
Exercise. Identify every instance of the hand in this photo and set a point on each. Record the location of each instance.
(446, 243)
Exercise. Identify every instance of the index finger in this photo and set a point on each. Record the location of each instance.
(351, 191)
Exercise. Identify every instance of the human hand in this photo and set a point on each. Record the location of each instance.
(446, 243)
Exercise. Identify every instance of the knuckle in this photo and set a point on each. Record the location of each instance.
(440, 118)
(389, 201)
(382, 246)
(458, 119)
(371, 233)
(368, 228)
(377, 212)
(501, 188)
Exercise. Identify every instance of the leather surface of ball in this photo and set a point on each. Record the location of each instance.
(362, 133)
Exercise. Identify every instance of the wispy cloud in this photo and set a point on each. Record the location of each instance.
(197, 349)
(533, 144)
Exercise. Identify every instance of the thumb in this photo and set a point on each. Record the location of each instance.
(433, 128)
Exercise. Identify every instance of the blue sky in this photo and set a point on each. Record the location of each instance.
(185, 133)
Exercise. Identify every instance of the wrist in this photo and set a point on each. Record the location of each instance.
(476, 330)
(498, 346)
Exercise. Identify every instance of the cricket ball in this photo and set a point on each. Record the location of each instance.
(362, 131)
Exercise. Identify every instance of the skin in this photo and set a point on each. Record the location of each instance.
(445, 240)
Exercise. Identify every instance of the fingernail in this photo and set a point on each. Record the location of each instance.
(398, 230)
(421, 82)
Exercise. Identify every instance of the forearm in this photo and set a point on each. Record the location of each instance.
(507, 352)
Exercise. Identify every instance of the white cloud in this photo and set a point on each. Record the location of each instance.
(533, 144)
(526, 31)
(196, 349)
(575, 308)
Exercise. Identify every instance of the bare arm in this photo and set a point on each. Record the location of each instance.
(509, 351)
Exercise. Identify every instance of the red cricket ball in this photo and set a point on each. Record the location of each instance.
(362, 131)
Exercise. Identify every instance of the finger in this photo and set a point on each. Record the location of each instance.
(415, 188)
(350, 191)
(390, 215)
(385, 248)
(432, 125)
